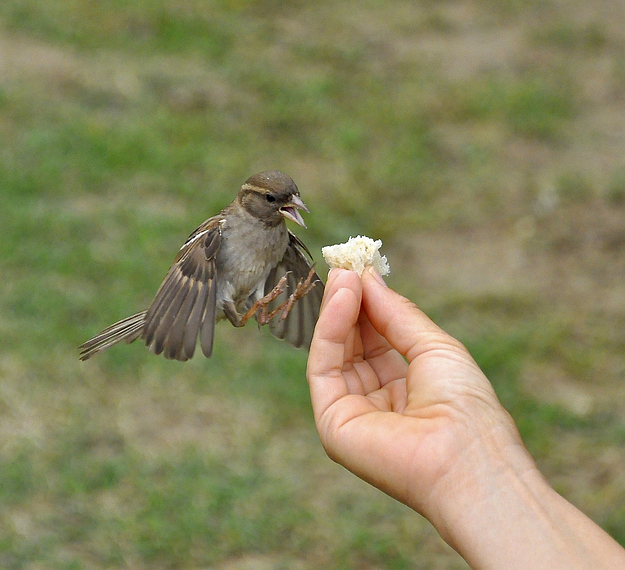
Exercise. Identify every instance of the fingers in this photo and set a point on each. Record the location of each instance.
(334, 330)
(386, 363)
(399, 321)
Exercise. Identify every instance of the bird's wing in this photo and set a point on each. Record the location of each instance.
(297, 329)
(184, 305)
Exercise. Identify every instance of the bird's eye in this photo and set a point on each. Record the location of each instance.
(270, 198)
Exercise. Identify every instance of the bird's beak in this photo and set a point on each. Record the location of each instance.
(291, 212)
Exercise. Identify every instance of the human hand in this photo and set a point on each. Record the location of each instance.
(402, 404)
(398, 401)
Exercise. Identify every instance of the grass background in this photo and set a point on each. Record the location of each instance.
(482, 141)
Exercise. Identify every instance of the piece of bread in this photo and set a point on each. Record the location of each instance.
(358, 253)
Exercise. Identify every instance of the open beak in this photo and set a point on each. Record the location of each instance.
(291, 210)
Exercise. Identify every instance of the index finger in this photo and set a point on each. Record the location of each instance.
(384, 360)
(407, 329)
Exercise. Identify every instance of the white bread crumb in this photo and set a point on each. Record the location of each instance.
(358, 253)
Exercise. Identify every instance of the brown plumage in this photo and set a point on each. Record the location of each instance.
(239, 264)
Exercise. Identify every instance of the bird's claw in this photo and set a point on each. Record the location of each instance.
(259, 309)
(304, 286)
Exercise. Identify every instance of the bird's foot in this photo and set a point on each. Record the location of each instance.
(304, 286)
(259, 308)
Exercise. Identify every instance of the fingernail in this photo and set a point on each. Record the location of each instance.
(376, 276)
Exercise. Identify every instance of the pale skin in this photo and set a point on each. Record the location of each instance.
(404, 406)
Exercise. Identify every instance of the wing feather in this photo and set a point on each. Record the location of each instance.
(185, 303)
(183, 306)
(164, 296)
(179, 320)
(207, 332)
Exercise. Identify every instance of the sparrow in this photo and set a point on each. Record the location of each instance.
(242, 263)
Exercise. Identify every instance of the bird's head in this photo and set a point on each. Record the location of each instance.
(271, 197)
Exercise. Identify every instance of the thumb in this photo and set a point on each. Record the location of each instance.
(330, 345)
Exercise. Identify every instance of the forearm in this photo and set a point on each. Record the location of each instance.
(512, 519)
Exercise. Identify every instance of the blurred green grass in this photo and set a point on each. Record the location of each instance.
(123, 125)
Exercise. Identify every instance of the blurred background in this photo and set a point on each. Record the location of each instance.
(483, 141)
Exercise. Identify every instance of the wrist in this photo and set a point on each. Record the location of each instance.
(493, 467)
(498, 511)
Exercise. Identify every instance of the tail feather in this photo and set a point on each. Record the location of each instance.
(128, 330)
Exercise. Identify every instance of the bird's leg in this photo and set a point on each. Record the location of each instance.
(304, 286)
(261, 305)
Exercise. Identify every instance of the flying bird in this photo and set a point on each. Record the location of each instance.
(242, 263)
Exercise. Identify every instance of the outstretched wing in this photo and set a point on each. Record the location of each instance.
(184, 305)
(297, 329)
